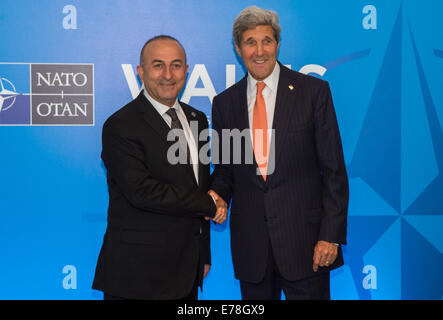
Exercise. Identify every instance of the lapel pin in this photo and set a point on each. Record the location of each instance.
(193, 114)
(291, 87)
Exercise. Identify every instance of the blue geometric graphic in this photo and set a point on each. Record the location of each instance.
(378, 162)
(377, 155)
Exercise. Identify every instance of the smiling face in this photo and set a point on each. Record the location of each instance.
(258, 50)
(163, 70)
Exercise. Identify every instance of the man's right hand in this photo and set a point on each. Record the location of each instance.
(222, 208)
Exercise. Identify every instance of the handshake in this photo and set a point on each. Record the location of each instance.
(222, 208)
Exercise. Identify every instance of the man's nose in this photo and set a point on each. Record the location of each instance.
(167, 74)
(259, 49)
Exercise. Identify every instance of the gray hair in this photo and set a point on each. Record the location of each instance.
(253, 17)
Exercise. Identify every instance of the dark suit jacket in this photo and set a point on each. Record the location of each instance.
(156, 238)
(304, 200)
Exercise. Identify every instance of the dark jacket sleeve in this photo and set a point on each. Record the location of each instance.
(206, 247)
(221, 178)
(206, 228)
(332, 164)
(124, 160)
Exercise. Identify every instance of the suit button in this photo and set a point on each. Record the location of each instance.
(265, 190)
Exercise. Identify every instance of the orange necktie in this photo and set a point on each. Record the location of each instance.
(260, 131)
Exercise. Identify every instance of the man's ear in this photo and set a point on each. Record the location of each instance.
(140, 72)
(237, 48)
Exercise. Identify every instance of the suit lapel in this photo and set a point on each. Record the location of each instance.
(242, 100)
(192, 116)
(153, 118)
(284, 107)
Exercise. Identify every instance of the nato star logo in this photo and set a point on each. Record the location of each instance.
(7, 97)
(396, 217)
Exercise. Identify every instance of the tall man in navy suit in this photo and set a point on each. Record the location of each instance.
(289, 204)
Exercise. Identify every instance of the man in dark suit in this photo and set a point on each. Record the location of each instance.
(157, 241)
(289, 204)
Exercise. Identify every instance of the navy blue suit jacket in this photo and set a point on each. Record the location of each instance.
(304, 199)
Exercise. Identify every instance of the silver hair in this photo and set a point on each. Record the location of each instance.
(253, 17)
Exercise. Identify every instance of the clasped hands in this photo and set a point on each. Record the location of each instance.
(222, 208)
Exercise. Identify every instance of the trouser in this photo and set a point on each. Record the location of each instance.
(316, 287)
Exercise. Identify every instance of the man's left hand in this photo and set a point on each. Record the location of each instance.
(325, 254)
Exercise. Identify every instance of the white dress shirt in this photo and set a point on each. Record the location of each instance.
(269, 95)
(162, 109)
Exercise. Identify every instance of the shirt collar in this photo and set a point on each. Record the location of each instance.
(160, 107)
(271, 81)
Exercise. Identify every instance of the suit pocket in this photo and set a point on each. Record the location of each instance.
(142, 237)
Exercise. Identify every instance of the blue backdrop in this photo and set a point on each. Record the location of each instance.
(65, 66)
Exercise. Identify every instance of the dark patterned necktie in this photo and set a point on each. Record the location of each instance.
(176, 124)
